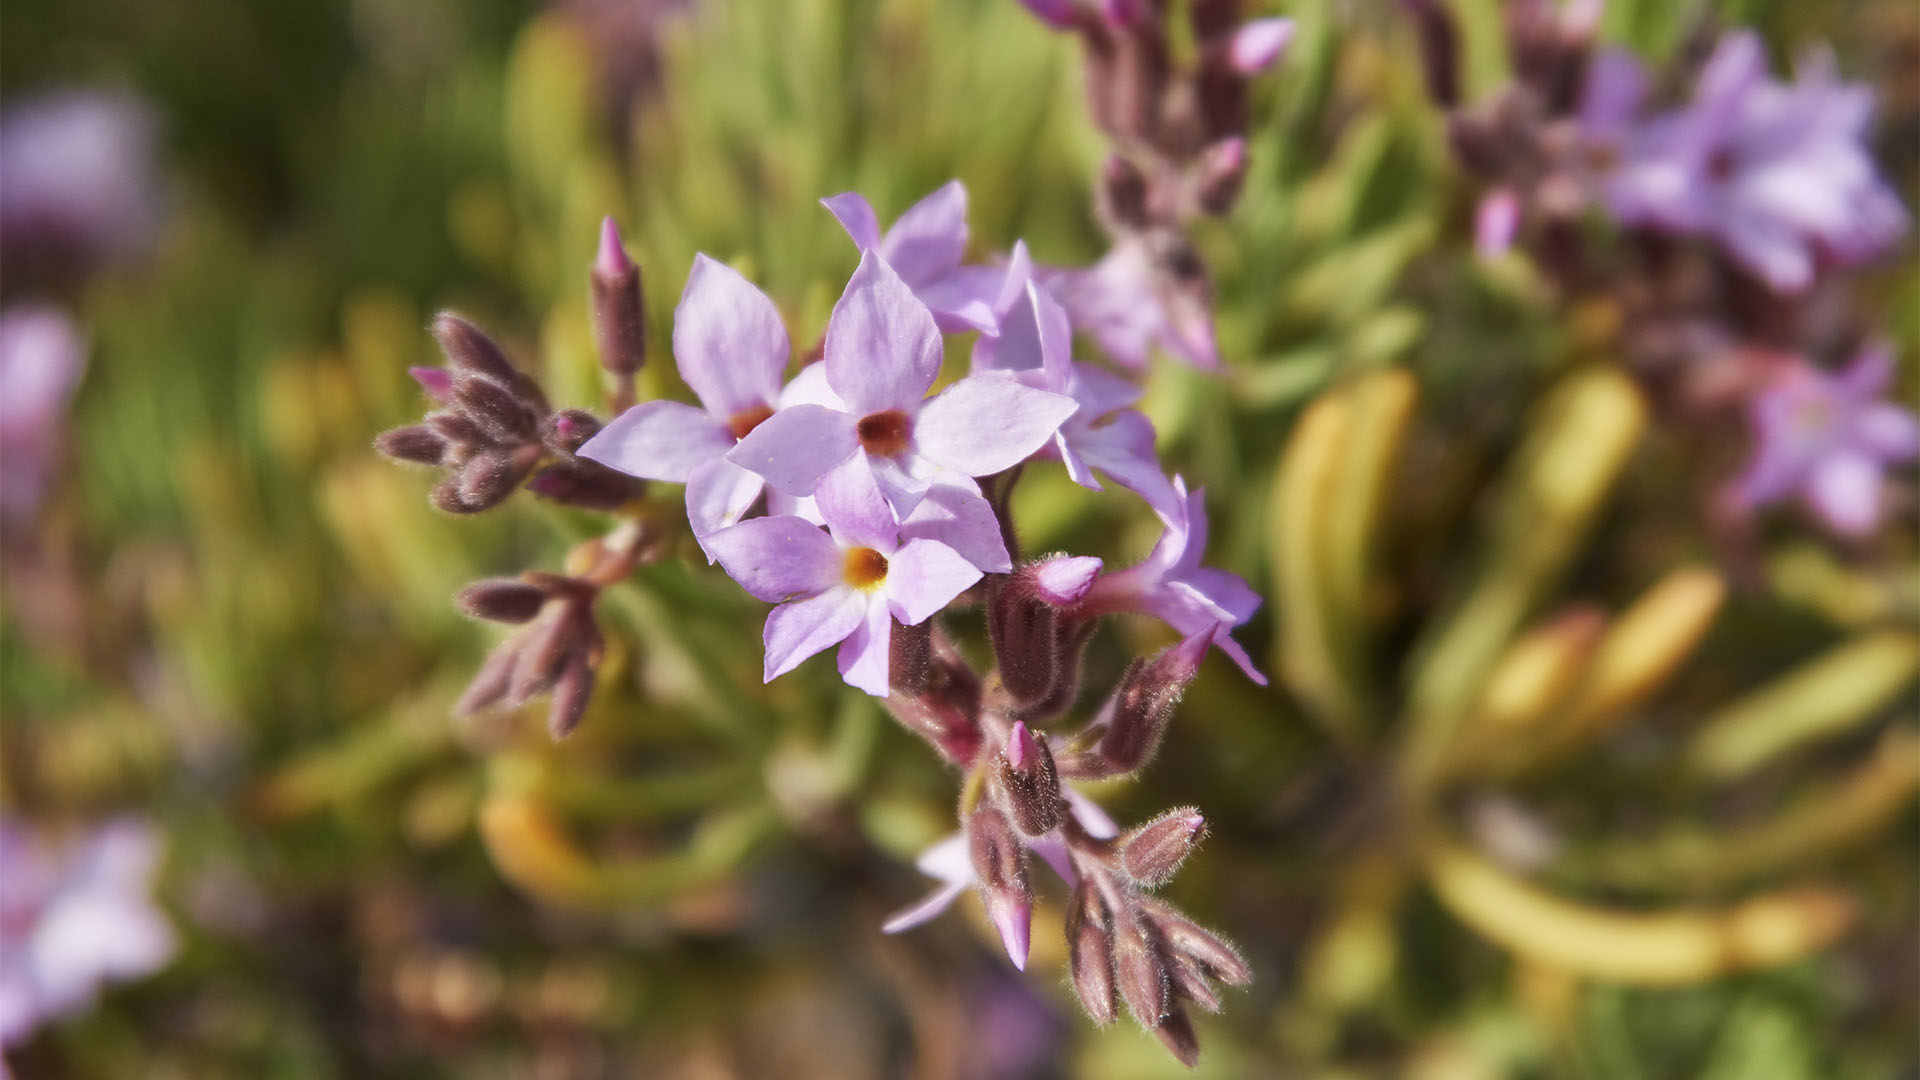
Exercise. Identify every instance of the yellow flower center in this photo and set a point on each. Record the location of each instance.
(865, 569)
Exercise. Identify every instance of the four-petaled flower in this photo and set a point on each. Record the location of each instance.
(732, 350)
(925, 247)
(867, 404)
(1130, 306)
(845, 585)
(1828, 438)
(1172, 586)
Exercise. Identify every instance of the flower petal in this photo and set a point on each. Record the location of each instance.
(882, 349)
(719, 494)
(963, 300)
(927, 241)
(923, 577)
(778, 557)
(1844, 489)
(801, 628)
(728, 339)
(1888, 431)
(794, 447)
(986, 423)
(855, 214)
(924, 910)
(959, 517)
(864, 654)
(659, 440)
(1123, 449)
(853, 508)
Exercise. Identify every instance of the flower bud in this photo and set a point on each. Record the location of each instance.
(1137, 714)
(586, 484)
(1221, 171)
(1182, 935)
(1000, 864)
(910, 657)
(1123, 194)
(418, 443)
(1138, 969)
(458, 430)
(1152, 853)
(1439, 49)
(469, 349)
(1023, 630)
(569, 429)
(498, 411)
(436, 381)
(572, 690)
(1176, 1033)
(619, 311)
(506, 600)
(489, 684)
(1190, 982)
(1258, 44)
(1090, 954)
(1027, 783)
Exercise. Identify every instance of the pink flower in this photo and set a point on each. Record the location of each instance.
(1131, 307)
(925, 247)
(845, 585)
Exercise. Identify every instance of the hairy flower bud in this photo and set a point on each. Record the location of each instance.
(1152, 853)
(1137, 714)
(507, 600)
(1175, 1032)
(469, 349)
(1182, 935)
(1220, 173)
(569, 429)
(1000, 864)
(571, 692)
(586, 484)
(1123, 194)
(1138, 969)
(498, 411)
(1189, 981)
(1027, 783)
(1090, 954)
(910, 657)
(1023, 629)
(436, 381)
(418, 443)
(619, 312)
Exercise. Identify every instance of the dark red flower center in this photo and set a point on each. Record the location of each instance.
(885, 433)
(747, 419)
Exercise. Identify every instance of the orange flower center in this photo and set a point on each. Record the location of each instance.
(747, 419)
(865, 569)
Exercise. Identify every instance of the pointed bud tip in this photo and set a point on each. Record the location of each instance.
(1063, 580)
(436, 381)
(1258, 44)
(612, 260)
(1014, 920)
(1021, 749)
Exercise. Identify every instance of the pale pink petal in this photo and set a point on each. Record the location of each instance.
(904, 480)
(958, 516)
(927, 241)
(659, 440)
(719, 494)
(853, 508)
(984, 424)
(774, 558)
(923, 577)
(1495, 223)
(810, 387)
(1888, 431)
(855, 214)
(728, 340)
(882, 348)
(864, 654)
(1259, 43)
(1844, 489)
(794, 447)
(923, 911)
(798, 630)
(1065, 579)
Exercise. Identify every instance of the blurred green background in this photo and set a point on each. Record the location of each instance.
(234, 618)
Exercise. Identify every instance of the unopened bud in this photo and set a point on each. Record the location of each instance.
(1221, 172)
(1028, 784)
(436, 381)
(419, 444)
(1123, 193)
(1190, 982)
(1023, 630)
(1000, 864)
(1182, 935)
(910, 657)
(1090, 954)
(1063, 580)
(587, 485)
(458, 429)
(1152, 853)
(1258, 44)
(507, 600)
(1176, 1033)
(569, 429)
(1137, 714)
(572, 690)
(1439, 49)
(619, 312)
(1138, 969)
(498, 411)
(469, 349)
(489, 684)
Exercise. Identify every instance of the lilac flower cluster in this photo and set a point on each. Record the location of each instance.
(73, 919)
(1732, 204)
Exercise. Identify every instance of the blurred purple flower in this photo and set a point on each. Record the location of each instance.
(42, 356)
(1035, 346)
(73, 919)
(1172, 586)
(1258, 44)
(925, 247)
(732, 349)
(1829, 439)
(843, 586)
(1130, 307)
(77, 185)
(1778, 173)
(881, 356)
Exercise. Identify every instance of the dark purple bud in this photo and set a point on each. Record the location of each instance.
(1182, 935)
(1190, 982)
(569, 429)
(458, 429)
(1152, 853)
(1141, 71)
(910, 657)
(1023, 630)
(498, 410)
(587, 485)
(572, 690)
(419, 444)
(1123, 194)
(489, 684)
(507, 600)
(469, 349)
(1219, 175)
(1000, 863)
(436, 381)
(544, 647)
(1138, 969)
(482, 483)
(1439, 49)
(619, 313)
(1176, 1033)
(1137, 714)
(1090, 954)
(1028, 784)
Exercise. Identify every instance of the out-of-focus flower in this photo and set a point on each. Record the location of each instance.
(1778, 173)
(732, 349)
(1257, 45)
(1131, 305)
(1172, 586)
(925, 247)
(1035, 345)
(882, 354)
(42, 356)
(77, 185)
(1829, 439)
(73, 919)
(843, 586)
